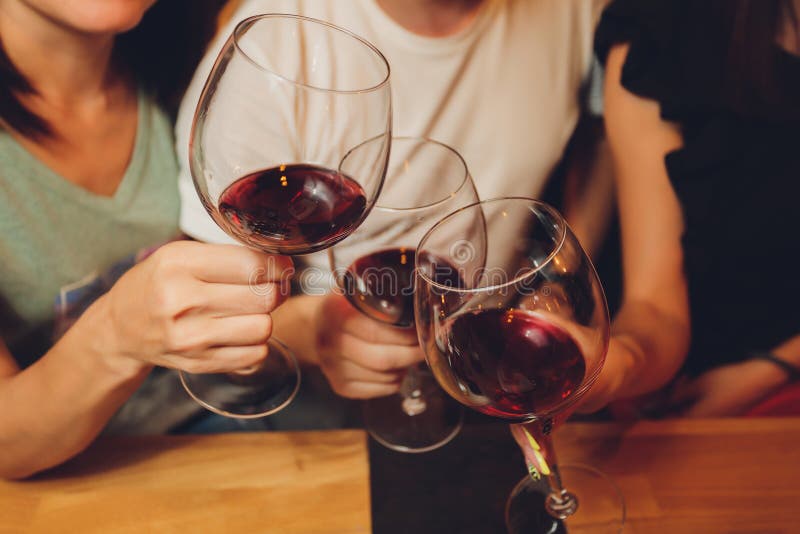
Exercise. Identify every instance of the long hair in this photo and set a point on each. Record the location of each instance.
(723, 52)
(162, 53)
(754, 28)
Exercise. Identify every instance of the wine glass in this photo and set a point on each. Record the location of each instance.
(287, 98)
(522, 336)
(374, 268)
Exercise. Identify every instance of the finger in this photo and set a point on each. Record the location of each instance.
(365, 390)
(224, 300)
(373, 332)
(519, 436)
(531, 450)
(219, 359)
(340, 311)
(240, 330)
(194, 335)
(379, 358)
(347, 371)
(234, 264)
(719, 405)
(523, 442)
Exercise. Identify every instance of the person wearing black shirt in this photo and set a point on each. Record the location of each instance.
(702, 112)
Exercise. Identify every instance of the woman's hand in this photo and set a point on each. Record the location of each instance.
(727, 391)
(361, 358)
(197, 307)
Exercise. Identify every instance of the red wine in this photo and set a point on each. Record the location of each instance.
(381, 285)
(509, 363)
(292, 209)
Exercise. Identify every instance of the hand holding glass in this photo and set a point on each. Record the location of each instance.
(374, 267)
(523, 335)
(286, 100)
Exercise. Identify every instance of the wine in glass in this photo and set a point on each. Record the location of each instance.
(374, 268)
(522, 337)
(287, 98)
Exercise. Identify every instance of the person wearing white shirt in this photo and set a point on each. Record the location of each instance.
(498, 80)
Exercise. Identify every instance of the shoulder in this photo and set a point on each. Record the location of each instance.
(16, 167)
(674, 51)
(542, 31)
(654, 23)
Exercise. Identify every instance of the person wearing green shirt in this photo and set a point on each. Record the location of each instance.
(87, 183)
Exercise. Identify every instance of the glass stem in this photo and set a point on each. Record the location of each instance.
(541, 459)
(411, 391)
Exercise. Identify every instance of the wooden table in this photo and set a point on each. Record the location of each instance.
(293, 483)
(734, 476)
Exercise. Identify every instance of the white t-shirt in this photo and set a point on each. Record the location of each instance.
(504, 92)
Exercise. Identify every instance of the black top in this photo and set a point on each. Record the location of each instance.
(737, 176)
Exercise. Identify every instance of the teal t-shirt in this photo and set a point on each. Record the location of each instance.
(61, 247)
(58, 241)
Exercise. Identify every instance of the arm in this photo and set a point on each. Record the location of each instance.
(790, 352)
(188, 306)
(731, 390)
(56, 407)
(650, 334)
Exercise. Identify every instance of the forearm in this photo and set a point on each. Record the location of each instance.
(650, 335)
(790, 351)
(57, 406)
(293, 324)
(651, 345)
(768, 375)
(646, 350)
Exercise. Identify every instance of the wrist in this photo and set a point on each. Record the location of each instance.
(99, 338)
(611, 385)
(789, 351)
(296, 323)
(782, 368)
(622, 359)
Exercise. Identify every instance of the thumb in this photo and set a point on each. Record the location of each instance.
(532, 451)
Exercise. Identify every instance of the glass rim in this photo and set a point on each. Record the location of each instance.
(466, 179)
(249, 21)
(543, 206)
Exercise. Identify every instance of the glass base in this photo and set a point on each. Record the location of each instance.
(252, 393)
(433, 424)
(601, 507)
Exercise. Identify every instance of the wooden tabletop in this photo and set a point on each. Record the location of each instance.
(733, 476)
(737, 476)
(702, 476)
(293, 483)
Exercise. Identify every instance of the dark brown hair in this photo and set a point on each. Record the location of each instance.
(162, 52)
(754, 29)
